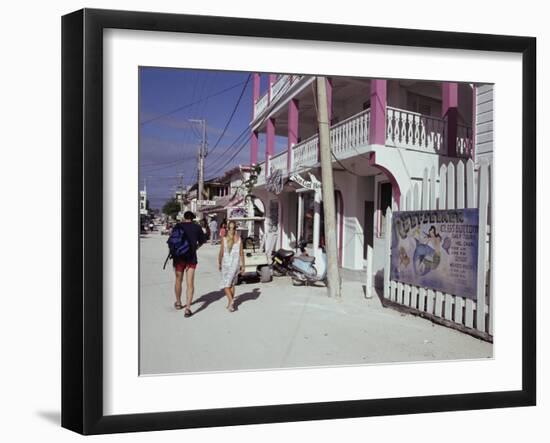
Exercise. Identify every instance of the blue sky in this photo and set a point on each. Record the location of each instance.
(169, 142)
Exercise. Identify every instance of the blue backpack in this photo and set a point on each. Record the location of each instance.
(178, 244)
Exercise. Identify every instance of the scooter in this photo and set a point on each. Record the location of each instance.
(303, 269)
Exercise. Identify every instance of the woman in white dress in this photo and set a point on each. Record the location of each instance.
(231, 262)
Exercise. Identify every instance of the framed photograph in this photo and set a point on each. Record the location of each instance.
(269, 221)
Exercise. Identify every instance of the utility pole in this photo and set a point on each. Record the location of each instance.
(202, 155)
(333, 275)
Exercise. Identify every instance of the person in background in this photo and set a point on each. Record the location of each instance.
(230, 262)
(188, 264)
(213, 231)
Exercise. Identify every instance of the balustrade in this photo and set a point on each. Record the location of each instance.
(411, 130)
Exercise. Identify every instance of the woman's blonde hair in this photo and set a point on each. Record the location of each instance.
(231, 238)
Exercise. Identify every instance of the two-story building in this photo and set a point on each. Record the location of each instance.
(383, 134)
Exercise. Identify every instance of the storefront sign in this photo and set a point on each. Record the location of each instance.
(436, 250)
(312, 183)
(237, 212)
(274, 182)
(206, 203)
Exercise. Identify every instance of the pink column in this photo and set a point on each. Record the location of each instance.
(254, 148)
(293, 110)
(270, 143)
(255, 98)
(449, 111)
(377, 128)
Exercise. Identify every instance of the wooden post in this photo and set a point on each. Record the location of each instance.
(333, 275)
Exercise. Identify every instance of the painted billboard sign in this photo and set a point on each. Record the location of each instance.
(436, 250)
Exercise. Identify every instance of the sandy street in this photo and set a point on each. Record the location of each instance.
(277, 325)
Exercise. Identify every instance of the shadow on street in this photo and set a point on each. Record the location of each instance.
(207, 300)
(247, 296)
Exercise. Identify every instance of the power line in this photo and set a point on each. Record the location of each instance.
(236, 141)
(232, 113)
(232, 157)
(188, 105)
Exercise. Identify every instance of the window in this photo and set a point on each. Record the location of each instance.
(384, 202)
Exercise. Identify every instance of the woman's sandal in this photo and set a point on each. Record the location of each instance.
(178, 306)
(187, 313)
(231, 308)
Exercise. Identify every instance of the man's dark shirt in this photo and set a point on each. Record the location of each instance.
(196, 238)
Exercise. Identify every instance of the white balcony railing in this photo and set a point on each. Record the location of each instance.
(306, 153)
(404, 129)
(279, 161)
(261, 105)
(278, 89)
(410, 130)
(348, 135)
(464, 141)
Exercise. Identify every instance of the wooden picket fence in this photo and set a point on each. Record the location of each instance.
(450, 188)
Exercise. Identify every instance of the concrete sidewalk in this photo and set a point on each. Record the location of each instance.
(277, 325)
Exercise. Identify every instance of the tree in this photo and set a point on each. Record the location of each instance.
(171, 208)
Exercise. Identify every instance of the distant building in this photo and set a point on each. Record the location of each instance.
(143, 206)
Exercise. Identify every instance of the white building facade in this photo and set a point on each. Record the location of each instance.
(383, 134)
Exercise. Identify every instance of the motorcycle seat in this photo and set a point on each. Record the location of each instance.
(305, 258)
(285, 253)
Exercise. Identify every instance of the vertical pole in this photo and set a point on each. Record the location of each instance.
(255, 98)
(377, 128)
(316, 221)
(449, 111)
(270, 144)
(300, 216)
(333, 276)
(292, 130)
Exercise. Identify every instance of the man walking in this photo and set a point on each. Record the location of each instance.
(213, 231)
(188, 263)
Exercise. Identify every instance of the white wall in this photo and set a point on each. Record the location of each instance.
(484, 122)
(30, 326)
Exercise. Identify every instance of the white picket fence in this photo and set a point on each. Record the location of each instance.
(449, 188)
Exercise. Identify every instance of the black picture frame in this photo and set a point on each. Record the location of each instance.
(82, 239)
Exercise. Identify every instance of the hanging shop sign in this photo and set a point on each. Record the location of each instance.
(436, 250)
(312, 183)
(274, 182)
(206, 202)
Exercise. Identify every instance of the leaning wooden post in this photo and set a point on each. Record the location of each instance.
(333, 276)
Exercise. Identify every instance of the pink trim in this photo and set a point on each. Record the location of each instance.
(394, 185)
(378, 102)
(474, 121)
(254, 148)
(293, 114)
(449, 110)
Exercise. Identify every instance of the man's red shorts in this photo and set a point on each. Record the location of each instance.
(181, 265)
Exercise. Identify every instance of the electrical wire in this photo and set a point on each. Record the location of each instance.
(188, 105)
(232, 113)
